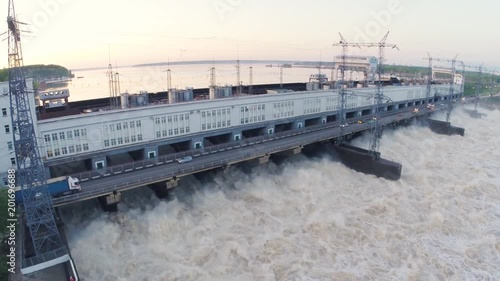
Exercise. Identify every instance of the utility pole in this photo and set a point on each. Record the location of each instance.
(281, 76)
(320, 86)
(341, 84)
(250, 80)
(478, 87)
(492, 82)
(238, 79)
(452, 88)
(429, 80)
(333, 71)
(169, 80)
(463, 78)
(212, 89)
(111, 85)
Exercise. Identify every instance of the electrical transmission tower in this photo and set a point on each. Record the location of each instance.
(379, 97)
(38, 208)
(250, 81)
(114, 87)
(492, 91)
(478, 87)
(341, 84)
(169, 80)
(452, 88)
(453, 72)
(429, 79)
(212, 87)
(238, 78)
(281, 76)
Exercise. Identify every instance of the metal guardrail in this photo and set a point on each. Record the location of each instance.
(129, 167)
(142, 164)
(48, 256)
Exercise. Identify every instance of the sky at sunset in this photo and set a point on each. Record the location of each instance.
(77, 34)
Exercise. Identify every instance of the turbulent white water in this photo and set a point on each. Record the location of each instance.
(314, 219)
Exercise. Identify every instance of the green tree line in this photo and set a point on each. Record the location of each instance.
(472, 78)
(40, 72)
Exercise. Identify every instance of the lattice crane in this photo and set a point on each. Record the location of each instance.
(31, 176)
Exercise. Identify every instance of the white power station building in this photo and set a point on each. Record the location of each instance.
(93, 137)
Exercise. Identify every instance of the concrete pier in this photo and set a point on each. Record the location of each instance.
(263, 160)
(109, 203)
(475, 114)
(162, 189)
(360, 160)
(280, 157)
(444, 128)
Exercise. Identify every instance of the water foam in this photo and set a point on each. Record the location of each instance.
(314, 219)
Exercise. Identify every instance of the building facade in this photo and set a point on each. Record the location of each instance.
(97, 134)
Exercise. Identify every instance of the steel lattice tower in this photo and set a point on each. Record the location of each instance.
(478, 87)
(429, 80)
(30, 170)
(342, 91)
(250, 81)
(452, 88)
(379, 96)
(452, 82)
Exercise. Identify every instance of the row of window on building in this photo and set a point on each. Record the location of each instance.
(65, 142)
(122, 140)
(312, 106)
(351, 101)
(121, 126)
(121, 133)
(283, 109)
(332, 103)
(172, 118)
(252, 113)
(215, 119)
(67, 135)
(54, 152)
(172, 125)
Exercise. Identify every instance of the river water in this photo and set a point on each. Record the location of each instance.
(93, 83)
(313, 219)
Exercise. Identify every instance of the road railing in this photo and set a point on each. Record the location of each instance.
(190, 168)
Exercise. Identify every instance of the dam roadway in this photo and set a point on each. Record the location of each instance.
(146, 172)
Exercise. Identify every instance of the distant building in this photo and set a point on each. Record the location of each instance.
(359, 68)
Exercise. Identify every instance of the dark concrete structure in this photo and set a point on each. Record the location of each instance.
(362, 161)
(444, 128)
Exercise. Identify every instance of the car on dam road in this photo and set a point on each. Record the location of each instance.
(184, 159)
